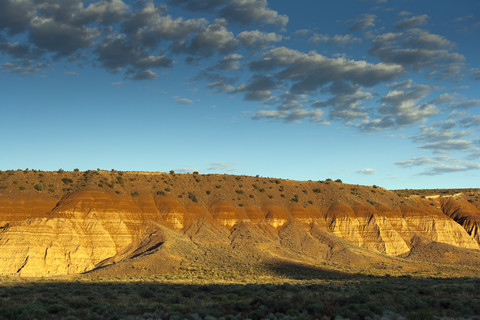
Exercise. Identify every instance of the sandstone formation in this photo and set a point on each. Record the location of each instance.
(309, 222)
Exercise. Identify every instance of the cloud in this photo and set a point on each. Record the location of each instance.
(401, 107)
(229, 62)
(449, 168)
(439, 165)
(259, 88)
(303, 75)
(338, 40)
(444, 98)
(346, 103)
(415, 162)
(63, 39)
(118, 54)
(185, 170)
(16, 15)
(367, 171)
(362, 22)
(24, 68)
(222, 166)
(210, 40)
(404, 13)
(467, 104)
(442, 139)
(310, 72)
(412, 22)
(474, 153)
(184, 101)
(476, 75)
(195, 5)
(252, 11)
(419, 50)
(448, 146)
(296, 115)
(144, 75)
(473, 121)
(258, 39)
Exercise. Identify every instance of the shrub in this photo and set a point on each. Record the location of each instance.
(67, 180)
(76, 170)
(39, 187)
(135, 194)
(295, 198)
(338, 180)
(192, 197)
(172, 172)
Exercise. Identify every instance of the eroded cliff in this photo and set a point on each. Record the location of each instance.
(80, 221)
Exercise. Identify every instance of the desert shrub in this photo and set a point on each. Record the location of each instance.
(135, 194)
(239, 191)
(317, 190)
(295, 198)
(39, 187)
(338, 180)
(67, 180)
(192, 197)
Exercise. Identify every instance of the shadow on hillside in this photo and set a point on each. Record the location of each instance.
(299, 271)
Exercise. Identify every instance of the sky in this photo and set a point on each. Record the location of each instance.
(383, 92)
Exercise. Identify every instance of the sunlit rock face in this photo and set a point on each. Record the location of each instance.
(85, 228)
(172, 213)
(464, 213)
(275, 216)
(431, 223)
(89, 228)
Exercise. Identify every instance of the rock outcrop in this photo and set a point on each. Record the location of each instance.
(91, 227)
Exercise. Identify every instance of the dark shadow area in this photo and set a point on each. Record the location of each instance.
(349, 297)
(299, 271)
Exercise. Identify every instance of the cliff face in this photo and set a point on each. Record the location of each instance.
(92, 227)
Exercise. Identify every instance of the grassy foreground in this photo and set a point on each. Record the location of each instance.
(348, 297)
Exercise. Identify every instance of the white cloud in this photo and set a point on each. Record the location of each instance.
(184, 101)
(367, 171)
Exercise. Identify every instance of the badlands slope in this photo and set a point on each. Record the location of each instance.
(136, 223)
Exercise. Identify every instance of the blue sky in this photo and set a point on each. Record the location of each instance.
(381, 92)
